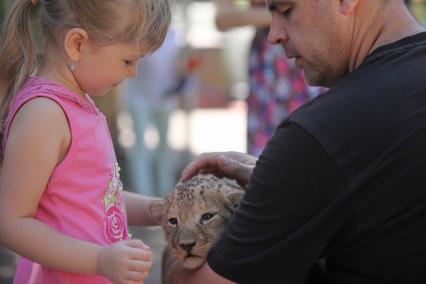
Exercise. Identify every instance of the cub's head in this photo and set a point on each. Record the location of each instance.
(194, 215)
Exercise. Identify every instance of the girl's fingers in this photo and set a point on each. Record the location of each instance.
(134, 282)
(135, 243)
(141, 254)
(139, 266)
(137, 277)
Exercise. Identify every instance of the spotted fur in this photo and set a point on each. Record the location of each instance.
(194, 215)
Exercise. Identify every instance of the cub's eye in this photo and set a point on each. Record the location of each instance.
(207, 216)
(173, 221)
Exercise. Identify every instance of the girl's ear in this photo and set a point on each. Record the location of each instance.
(75, 39)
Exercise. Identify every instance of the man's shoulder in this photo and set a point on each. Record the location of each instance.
(370, 106)
(376, 87)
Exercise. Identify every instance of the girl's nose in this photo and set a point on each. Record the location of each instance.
(133, 71)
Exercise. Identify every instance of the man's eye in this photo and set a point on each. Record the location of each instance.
(173, 221)
(207, 216)
(287, 12)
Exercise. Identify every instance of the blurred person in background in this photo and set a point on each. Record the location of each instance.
(150, 98)
(276, 86)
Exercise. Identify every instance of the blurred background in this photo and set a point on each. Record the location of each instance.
(189, 98)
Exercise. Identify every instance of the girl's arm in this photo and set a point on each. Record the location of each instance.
(38, 140)
(137, 209)
(230, 16)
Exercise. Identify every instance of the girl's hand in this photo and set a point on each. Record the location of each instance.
(126, 262)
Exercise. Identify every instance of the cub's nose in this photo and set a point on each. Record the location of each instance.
(187, 246)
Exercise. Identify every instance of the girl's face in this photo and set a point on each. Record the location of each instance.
(101, 68)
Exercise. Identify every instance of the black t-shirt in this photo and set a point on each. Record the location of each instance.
(343, 179)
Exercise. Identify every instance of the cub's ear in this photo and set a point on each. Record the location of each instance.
(156, 210)
(233, 197)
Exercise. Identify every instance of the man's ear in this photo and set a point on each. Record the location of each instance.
(348, 6)
(156, 210)
(74, 41)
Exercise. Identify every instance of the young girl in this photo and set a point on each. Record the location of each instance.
(61, 201)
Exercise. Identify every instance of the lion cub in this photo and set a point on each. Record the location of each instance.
(194, 214)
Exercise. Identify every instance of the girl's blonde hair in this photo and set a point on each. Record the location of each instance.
(106, 21)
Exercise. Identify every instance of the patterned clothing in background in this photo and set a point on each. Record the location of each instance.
(277, 88)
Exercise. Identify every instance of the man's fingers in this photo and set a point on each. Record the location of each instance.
(190, 171)
(232, 165)
(206, 162)
(235, 170)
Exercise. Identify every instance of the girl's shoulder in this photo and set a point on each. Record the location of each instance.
(43, 112)
(42, 87)
(40, 121)
(42, 106)
(40, 102)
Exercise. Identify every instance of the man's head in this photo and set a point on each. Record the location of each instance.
(329, 38)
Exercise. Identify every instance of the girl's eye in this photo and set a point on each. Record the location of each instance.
(173, 221)
(128, 62)
(207, 216)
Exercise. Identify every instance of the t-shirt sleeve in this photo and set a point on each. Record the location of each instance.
(287, 216)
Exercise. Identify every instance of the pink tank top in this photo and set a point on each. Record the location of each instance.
(83, 198)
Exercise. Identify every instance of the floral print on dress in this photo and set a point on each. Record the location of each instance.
(115, 222)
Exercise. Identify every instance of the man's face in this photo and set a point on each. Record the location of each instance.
(316, 34)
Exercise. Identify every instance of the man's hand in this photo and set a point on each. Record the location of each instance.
(233, 165)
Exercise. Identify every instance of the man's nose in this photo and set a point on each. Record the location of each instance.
(277, 32)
